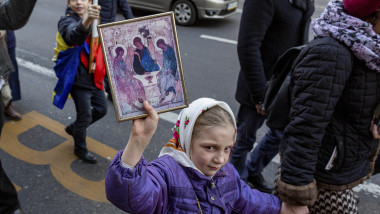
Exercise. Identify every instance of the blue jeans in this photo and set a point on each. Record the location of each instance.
(91, 105)
(14, 81)
(264, 152)
(248, 122)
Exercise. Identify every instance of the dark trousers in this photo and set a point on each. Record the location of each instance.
(248, 122)
(90, 105)
(377, 165)
(8, 195)
(14, 82)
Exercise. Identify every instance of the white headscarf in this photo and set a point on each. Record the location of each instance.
(179, 147)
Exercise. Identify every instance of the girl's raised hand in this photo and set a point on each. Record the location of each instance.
(142, 131)
(144, 128)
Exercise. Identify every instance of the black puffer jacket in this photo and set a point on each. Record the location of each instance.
(333, 99)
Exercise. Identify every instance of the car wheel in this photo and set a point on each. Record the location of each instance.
(184, 12)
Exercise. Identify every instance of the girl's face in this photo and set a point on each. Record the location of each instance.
(211, 149)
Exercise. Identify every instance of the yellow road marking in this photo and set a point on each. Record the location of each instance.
(17, 187)
(59, 158)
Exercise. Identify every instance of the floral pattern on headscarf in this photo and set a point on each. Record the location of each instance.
(187, 121)
(355, 33)
(176, 134)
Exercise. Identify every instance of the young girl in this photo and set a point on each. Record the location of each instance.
(191, 174)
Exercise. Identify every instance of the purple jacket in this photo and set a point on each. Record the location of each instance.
(164, 186)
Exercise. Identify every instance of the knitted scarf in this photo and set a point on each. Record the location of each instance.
(179, 146)
(355, 33)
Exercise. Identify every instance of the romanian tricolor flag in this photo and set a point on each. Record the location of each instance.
(67, 59)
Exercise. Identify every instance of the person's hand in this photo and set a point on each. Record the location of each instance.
(259, 109)
(144, 128)
(375, 129)
(93, 12)
(292, 209)
(142, 131)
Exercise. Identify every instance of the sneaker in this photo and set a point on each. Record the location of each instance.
(259, 183)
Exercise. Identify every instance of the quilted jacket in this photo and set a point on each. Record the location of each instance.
(333, 99)
(164, 186)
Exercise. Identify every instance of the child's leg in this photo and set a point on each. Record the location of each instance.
(82, 100)
(98, 104)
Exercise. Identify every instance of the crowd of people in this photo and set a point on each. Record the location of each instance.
(329, 146)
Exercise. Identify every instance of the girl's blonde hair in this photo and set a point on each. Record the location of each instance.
(212, 117)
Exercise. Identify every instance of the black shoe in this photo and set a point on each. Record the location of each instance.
(69, 130)
(86, 157)
(259, 183)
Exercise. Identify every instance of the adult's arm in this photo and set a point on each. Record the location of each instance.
(256, 18)
(14, 14)
(319, 80)
(125, 9)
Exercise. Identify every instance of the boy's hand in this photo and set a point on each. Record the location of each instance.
(142, 131)
(93, 12)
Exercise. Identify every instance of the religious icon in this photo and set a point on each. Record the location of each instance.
(143, 63)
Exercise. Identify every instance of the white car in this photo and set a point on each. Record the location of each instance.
(186, 12)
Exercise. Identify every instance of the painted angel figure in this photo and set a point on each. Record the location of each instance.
(131, 90)
(167, 75)
(142, 59)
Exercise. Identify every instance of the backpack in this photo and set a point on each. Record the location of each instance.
(277, 94)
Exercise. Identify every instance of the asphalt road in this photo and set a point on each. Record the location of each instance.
(38, 155)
